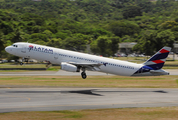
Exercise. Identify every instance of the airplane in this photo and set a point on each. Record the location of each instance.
(75, 61)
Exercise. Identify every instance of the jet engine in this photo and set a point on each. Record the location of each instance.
(69, 67)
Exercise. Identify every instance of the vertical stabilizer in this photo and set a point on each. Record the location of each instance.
(157, 61)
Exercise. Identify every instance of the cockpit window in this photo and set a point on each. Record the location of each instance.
(15, 45)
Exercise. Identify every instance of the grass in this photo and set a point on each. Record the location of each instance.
(91, 81)
(163, 113)
(170, 67)
(9, 65)
(177, 81)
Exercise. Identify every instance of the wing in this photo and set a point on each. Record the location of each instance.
(88, 66)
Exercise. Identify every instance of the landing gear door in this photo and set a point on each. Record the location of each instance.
(23, 49)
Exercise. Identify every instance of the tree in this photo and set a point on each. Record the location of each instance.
(153, 41)
(74, 43)
(132, 11)
(55, 42)
(145, 5)
(96, 32)
(6, 27)
(68, 23)
(114, 44)
(1, 42)
(165, 38)
(124, 28)
(33, 17)
(35, 37)
(118, 3)
(105, 46)
(168, 25)
(62, 35)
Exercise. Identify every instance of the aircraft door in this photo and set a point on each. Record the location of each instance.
(23, 49)
(56, 55)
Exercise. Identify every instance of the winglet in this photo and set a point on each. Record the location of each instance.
(157, 61)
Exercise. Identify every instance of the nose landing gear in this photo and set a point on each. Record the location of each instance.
(24, 60)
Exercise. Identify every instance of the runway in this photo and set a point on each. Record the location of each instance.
(65, 73)
(51, 99)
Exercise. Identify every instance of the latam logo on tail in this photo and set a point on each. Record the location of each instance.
(157, 61)
(75, 62)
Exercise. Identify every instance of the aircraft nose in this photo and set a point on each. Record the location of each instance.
(8, 49)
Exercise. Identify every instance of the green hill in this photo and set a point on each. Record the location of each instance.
(73, 24)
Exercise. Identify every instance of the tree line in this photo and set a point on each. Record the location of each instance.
(102, 24)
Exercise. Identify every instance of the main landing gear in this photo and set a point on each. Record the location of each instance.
(83, 74)
(48, 64)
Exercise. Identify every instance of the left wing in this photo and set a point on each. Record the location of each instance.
(88, 66)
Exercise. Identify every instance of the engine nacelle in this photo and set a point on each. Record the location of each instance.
(69, 67)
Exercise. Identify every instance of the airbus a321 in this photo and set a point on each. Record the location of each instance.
(75, 62)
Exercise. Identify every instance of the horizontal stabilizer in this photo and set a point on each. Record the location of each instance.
(162, 72)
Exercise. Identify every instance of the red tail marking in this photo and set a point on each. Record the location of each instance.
(164, 51)
(158, 61)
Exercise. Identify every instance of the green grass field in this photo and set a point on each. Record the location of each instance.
(91, 81)
(9, 65)
(12, 65)
(163, 113)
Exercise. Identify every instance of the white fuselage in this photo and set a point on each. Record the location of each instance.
(57, 56)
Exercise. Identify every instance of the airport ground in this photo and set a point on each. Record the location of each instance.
(65, 95)
(52, 94)
(161, 113)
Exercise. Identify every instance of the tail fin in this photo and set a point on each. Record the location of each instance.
(157, 61)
